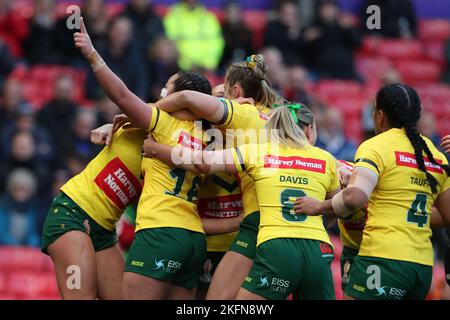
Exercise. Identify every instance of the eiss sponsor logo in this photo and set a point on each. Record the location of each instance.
(118, 183)
(309, 164)
(406, 159)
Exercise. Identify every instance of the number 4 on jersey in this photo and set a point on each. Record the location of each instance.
(417, 213)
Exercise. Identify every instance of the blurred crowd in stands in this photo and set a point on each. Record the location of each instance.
(317, 54)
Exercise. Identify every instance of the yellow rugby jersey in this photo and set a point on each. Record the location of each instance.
(351, 228)
(220, 197)
(281, 175)
(251, 118)
(169, 196)
(110, 182)
(398, 224)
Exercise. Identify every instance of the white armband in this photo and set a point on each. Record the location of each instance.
(339, 207)
(364, 179)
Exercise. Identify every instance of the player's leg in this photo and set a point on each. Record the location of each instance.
(186, 280)
(244, 294)
(373, 278)
(181, 293)
(229, 276)
(316, 277)
(74, 258)
(347, 258)
(65, 238)
(236, 263)
(140, 287)
(110, 267)
(275, 273)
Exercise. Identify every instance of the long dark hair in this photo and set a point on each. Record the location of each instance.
(188, 80)
(401, 104)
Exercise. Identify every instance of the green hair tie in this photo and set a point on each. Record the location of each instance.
(250, 61)
(293, 108)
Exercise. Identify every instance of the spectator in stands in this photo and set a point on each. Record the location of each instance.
(388, 77)
(94, 15)
(75, 163)
(277, 72)
(197, 33)
(58, 114)
(12, 97)
(41, 45)
(96, 20)
(7, 62)
(398, 18)
(238, 37)
(13, 27)
(83, 123)
(123, 57)
(285, 33)
(19, 211)
(24, 121)
(332, 138)
(162, 64)
(23, 154)
(427, 126)
(106, 110)
(297, 90)
(446, 74)
(331, 41)
(147, 25)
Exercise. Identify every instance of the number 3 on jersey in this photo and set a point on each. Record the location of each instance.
(288, 197)
(417, 213)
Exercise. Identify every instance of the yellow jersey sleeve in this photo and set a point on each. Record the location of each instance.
(241, 116)
(162, 122)
(368, 156)
(244, 157)
(446, 185)
(335, 184)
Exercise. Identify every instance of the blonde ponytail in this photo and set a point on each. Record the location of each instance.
(251, 75)
(284, 127)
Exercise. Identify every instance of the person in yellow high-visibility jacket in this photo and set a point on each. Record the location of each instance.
(197, 34)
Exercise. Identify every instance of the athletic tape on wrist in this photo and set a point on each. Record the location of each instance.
(96, 60)
(339, 207)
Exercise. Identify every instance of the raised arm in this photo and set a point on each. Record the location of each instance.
(136, 109)
(204, 106)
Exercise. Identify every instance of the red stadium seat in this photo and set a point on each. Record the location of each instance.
(21, 258)
(54, 296)
(350, 107)
(32, 283)
(370, 45)
(435, 51)
(419, 71)
(9, 296)
(399, 49)
(372, 68)
(328, 90)
(114, 9)
(438, 29)
(3, 282)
